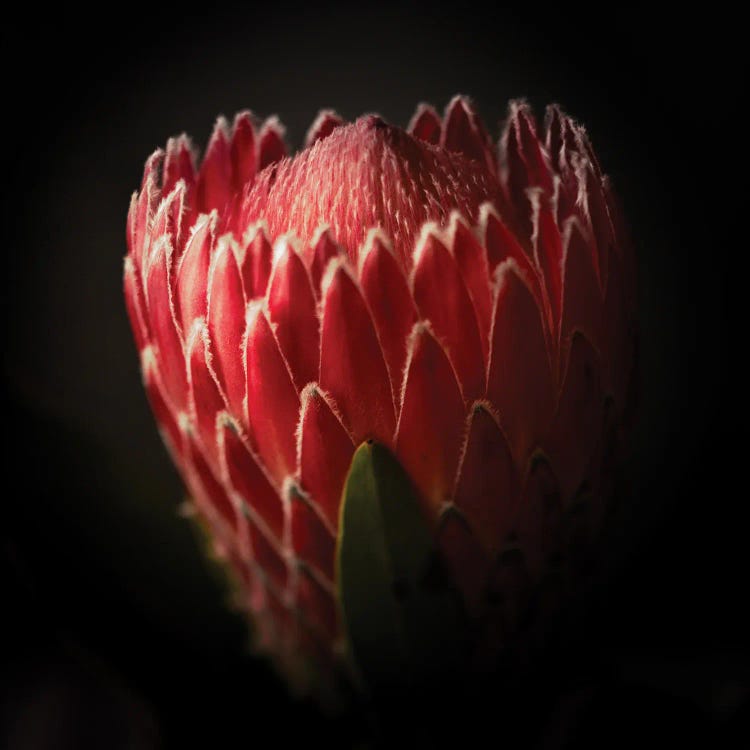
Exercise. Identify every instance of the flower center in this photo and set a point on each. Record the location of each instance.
(363, 175)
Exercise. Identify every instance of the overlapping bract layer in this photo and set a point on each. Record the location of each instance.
(468, 307)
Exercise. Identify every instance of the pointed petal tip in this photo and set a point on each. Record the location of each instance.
(311, 391)
(375, 240)
(320, 232)
(482, 406)
(465, 133)
(243, 118)
(179, 162)
(271, 397)
(255, 229)
(226, 243)
(451, 312)
(520, 381)
(159, 253)
(554, 113)
(456, 218)
(501, 275)
(322, 126)
(336, 265)
(351, 357)
(418, 330)
(284, 245)
(179, 188)
(318, 253)
(377, 234)
(180, 144)
(168, 216)
(324, 450)
(423, 108)
(293, 310)
(224, 420)
(460, 100)
(426, 124)
(431, 420)
(221, 128)
(393, 313)
(488, 214)
(243, 150)
(311, 397)
(271, 142)
(273, 123)
(518, 106)
(213, 186)
(430, 232)
(225, 311)
(255, 307)
(153, 163)
(421, 331)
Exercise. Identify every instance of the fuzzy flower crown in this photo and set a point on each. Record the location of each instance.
(467, 306)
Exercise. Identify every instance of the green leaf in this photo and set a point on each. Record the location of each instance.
(405, 624)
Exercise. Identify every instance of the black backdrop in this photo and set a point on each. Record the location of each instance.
(118, 632)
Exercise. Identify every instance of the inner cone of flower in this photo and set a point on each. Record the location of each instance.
(393, 370)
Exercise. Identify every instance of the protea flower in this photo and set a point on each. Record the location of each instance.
(394, 348)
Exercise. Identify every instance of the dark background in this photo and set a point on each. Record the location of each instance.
(118, 633)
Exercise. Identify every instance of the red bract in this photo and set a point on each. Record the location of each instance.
(467, 306)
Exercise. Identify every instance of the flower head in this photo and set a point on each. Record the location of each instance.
(467, 307)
